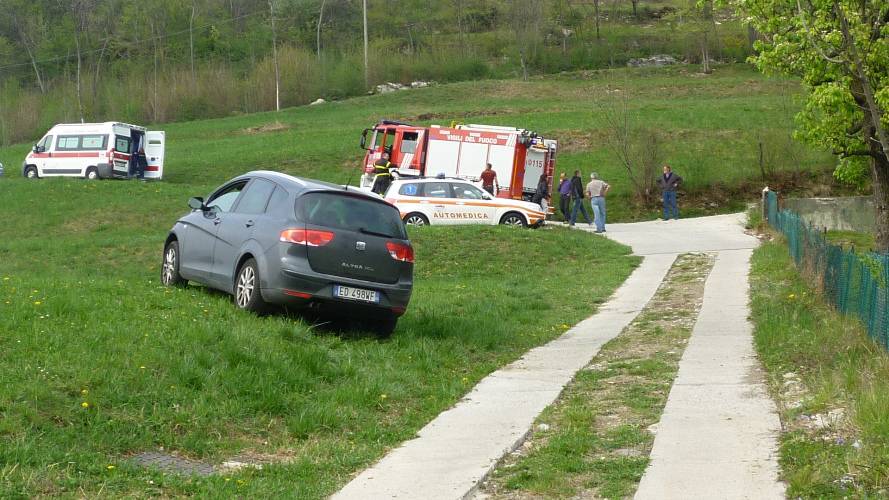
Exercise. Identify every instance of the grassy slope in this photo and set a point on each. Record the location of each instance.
(82, 310)
(799, 336)
(712, 125)
(83, 320)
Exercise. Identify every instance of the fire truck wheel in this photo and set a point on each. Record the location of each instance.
(513, 219)
(92, 173)
(416, 219)
(31, 172)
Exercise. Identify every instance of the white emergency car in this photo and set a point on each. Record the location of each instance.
(97, 150)
(437, 201)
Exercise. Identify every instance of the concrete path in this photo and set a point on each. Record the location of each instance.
(718, 417)
(718, 436)
(454, 452)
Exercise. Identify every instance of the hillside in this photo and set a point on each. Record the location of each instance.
(709, 127)
(62, 61)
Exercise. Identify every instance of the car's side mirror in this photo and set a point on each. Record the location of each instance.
(363, 144)
(196, 203)
(37, 149)
(486, 196)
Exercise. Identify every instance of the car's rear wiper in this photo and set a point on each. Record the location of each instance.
(374, 233)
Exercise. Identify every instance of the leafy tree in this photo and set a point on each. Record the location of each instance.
(839, 49)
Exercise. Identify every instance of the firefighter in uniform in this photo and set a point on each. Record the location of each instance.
(382, 174)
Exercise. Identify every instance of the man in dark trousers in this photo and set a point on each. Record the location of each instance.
(564, 195)
(489, 180)
(669, 183)
(577, 194)
(382, 174)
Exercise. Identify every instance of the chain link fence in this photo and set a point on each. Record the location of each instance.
(853, 282)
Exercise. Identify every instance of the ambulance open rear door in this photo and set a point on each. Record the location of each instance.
(155, 142)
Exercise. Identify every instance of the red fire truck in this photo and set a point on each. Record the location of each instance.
(518, 156)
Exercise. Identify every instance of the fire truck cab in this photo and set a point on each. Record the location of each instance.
(518, 156)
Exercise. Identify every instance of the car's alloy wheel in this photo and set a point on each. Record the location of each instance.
(512, 219)
(170, 268)
(416, 220)
(246, 286)
(247, 293)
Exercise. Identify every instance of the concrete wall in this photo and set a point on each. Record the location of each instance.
(854, 213)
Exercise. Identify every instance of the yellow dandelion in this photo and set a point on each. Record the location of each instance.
(142, 367)
(383, 396)
(791, 296)
(465, 379)
(37, 302)
(85, 404)
(84, 391)
(110, 467)
(228, 479)
(6, 278)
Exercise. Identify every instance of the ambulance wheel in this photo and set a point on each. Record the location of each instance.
(416, 219)
(513, 219)
(247, 293)
(31, 172)
(92, 173)
(170, 268)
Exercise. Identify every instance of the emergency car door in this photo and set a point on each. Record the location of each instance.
(40, 159)
(155, 142)
(439, 203)
(471, 205)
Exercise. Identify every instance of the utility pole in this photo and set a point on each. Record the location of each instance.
(275, 57)
(366, 77)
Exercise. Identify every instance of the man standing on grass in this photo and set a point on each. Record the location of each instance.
(669, 183)
(564, 194)
(489, 180)
(577, 194)
(596, 190)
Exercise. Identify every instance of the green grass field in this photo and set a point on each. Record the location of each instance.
(99, 362)
(822, 368)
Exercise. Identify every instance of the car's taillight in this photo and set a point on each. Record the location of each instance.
(400, 251)
(308, 237)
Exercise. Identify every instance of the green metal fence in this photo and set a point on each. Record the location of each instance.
(854, 282)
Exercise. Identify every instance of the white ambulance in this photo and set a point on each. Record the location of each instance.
(97, 151)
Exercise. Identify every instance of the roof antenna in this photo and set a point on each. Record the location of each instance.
(349, 181)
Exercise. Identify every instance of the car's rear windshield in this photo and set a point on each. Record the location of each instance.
(353, 213)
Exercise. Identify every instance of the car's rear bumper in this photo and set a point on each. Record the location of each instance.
(312, 289)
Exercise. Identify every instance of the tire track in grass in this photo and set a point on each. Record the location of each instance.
(596, 439)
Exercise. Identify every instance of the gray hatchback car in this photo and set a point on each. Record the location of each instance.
(270, 238)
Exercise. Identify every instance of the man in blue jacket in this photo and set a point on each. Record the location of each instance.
(669, 183)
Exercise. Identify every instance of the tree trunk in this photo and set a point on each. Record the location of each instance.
(880, 173)
(596, 8)
(318, 30)
(366, 69)
(194, 78)
(524, 66)
(635, 13)
(99, 68)
(79, 96)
